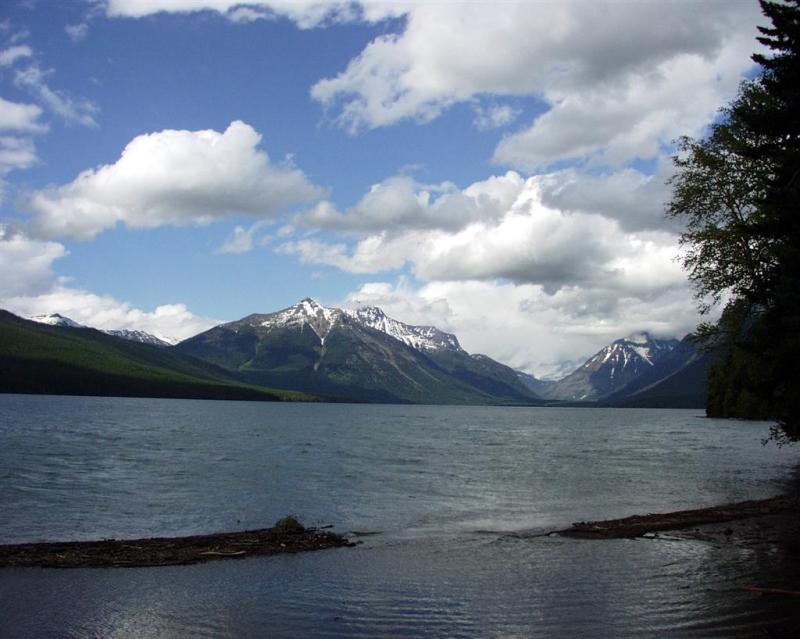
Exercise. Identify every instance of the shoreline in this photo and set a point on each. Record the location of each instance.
(786, 507)
(169, 551)
(760, 520)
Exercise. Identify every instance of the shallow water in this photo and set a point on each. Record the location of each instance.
(442, 486)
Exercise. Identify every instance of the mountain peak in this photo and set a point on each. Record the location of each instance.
(640, 337)
(55, 319)
(312, 308)
(309, 301)
(612, 367)
(307, 312)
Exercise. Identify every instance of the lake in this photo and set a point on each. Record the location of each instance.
(443, 499)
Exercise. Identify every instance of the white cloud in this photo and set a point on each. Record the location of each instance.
(168, 321)
(242, 240)
(634, 116)
(671, 66)
(30, 287)
(400, 203)
(172, 178)
(16, 153)
(10, 55)
(75, 111)
(494, 117)
(17, 150)
(26, 264)
(305, 13)
(514, 235)
(18, 116)
(633, 198)
(77, 32)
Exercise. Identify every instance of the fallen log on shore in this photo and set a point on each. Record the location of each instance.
(639, 525)
(169, 551)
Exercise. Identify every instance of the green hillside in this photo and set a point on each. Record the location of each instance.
(37, 358)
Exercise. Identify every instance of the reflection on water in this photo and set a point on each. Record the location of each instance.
(442, 485)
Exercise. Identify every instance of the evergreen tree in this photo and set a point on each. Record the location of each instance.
(739, 192)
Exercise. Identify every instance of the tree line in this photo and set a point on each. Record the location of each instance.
(737, 191)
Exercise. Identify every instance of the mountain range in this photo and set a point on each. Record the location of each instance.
(365, 355)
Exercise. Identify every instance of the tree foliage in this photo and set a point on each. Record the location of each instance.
(737, 192)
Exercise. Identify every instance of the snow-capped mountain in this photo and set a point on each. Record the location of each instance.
(321, 319)
(139, 336)
(54, 319)
(612, 368)
(356, 354)
(306, 313)
(423, 338)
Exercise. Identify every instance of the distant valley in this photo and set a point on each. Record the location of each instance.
(359, 355)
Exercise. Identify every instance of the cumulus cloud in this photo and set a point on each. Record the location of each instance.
(172, 178)
(633, 198)
(26, 263)
(610, 100)
(515, 235)
(170, 322)
(634, 116)
(523, 326)
(401, 203)
(30, 287)
(671, 66)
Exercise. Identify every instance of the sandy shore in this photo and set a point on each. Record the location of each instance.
(170, 551)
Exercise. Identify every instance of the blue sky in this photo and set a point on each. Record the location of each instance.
(495, 169)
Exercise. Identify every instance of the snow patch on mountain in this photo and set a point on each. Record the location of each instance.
(322, 320)
(307, 312)
(55, 319)
(421, 338)
(143, 337)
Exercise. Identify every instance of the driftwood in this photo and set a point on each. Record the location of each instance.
(639, 525)
(169, 551)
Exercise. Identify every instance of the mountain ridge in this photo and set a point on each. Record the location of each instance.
(361, 353)
(133, 335)
(612, 368)
(58, 359)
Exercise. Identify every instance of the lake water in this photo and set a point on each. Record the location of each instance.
(449, 493)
